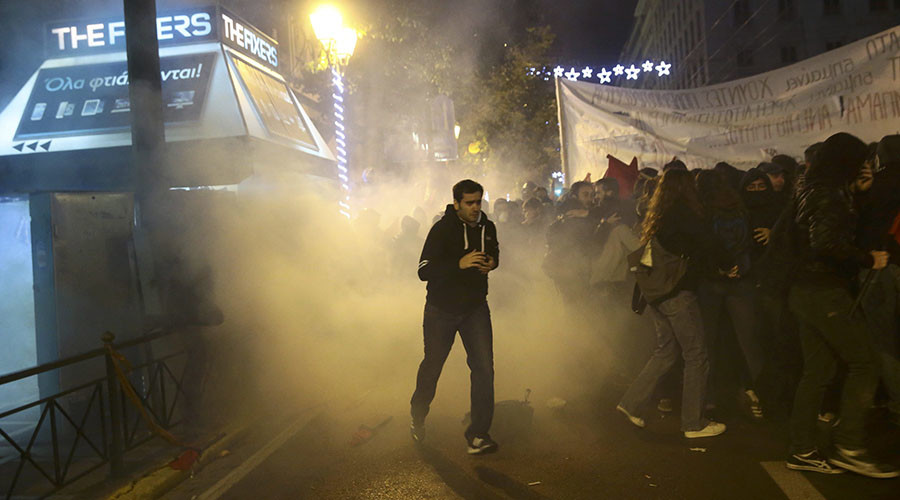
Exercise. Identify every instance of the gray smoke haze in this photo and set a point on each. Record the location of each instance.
(321, 309)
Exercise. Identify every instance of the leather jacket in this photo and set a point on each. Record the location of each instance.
(827, 224)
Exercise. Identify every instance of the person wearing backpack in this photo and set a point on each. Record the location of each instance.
(680, 241)
(821, 299)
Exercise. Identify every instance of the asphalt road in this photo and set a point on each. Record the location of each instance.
(584, 451)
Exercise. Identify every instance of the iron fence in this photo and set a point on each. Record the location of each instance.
(51, 442)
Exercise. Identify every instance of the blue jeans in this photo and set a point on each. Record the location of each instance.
(737, 300)
(474, 327)
(678, 324)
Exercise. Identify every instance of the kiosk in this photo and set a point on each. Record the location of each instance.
(66, 161)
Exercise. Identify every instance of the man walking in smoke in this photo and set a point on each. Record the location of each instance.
(459, 252)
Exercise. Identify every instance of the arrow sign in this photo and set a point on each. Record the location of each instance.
(19, 146)
(46, 146)
(32, 146)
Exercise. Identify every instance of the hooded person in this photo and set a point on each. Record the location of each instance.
(459, 252)
(822, 300)
(763, 205)
(731, 174)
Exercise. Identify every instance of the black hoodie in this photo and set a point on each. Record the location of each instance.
(450, 288)
(763, 207)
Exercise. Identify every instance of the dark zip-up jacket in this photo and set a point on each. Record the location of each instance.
(450, 288)
(827, 222)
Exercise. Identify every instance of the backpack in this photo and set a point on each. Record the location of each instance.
(657, 271)
(777, 268)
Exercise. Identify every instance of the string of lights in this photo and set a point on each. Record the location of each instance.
(340, 139)
(631, 72)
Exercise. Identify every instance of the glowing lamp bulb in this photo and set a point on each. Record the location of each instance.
(345, 42)
(326, 21)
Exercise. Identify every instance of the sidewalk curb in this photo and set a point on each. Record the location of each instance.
(162, 479)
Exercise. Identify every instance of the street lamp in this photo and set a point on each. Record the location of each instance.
(338, 41)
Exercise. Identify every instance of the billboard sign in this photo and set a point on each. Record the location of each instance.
(93, 98)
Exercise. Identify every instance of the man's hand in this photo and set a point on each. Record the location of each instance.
(612, 219)
(473, 259)
(880, 258)
(489, 264)
(761, 235)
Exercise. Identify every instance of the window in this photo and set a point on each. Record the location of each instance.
(788, 54)
(274, 104)
(878, 5)
(833, 45)
(786, 10)
(745, 57)
(741, 12)
(831, 7)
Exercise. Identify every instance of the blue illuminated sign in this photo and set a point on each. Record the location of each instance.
(68, 38)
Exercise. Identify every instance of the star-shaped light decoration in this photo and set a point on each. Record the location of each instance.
(572, 74)
(587, 72)
(662, 68)
(648, 66)
(605, 76)
(558, 71)
(633, 72)
(618, 69)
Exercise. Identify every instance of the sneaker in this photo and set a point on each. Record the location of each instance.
(417, 432)
(482, 445)
(711, 429)
(638, 421)
(665, 405)
(753, 404)
(860, 462)
(813, 462)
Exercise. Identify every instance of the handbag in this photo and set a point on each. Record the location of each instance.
(657, 271)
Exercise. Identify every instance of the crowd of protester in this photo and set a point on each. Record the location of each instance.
(788, 301)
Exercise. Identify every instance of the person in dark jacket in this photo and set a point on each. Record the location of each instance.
(735, 298)
(459, 252)
(821, 299)
(881, 302)
(569, 245)
(763, 205)
(674, 219)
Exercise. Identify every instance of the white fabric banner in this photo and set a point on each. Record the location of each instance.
(855, 89)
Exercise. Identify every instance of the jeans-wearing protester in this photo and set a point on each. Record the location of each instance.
(674, 219)
(459, 252)
(730, 299)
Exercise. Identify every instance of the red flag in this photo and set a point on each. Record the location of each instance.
(627, 175)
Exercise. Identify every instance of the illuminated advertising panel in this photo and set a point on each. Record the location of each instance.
(246, 39)
(180, 27)
(274, 104)
(93, 98)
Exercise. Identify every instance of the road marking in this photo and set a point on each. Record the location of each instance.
(791, 482)
(224, 484)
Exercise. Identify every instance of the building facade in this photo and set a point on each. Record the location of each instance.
(714, 41)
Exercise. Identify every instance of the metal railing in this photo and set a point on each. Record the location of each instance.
(85, 427)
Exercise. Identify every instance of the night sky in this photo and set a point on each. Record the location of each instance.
(589, 31)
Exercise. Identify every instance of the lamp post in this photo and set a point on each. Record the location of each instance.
(338, 41)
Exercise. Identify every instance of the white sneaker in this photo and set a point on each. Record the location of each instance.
(711, 429)
(638, 421)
